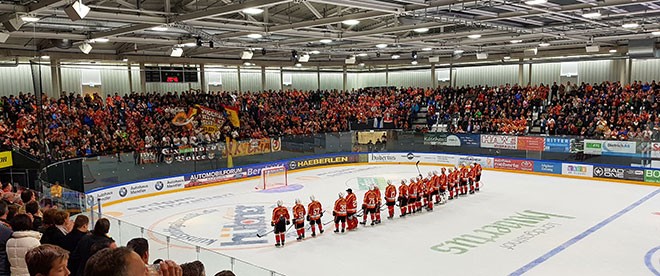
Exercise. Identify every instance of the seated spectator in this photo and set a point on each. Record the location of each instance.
(61, 226)
(195, 268)
(22, 240)
(123, 261)
(47, 260)
(32, 210)
(82, 252)
(80, 229)
(141, 247)
(5, 234)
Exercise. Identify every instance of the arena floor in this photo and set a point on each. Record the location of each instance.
(518, 224)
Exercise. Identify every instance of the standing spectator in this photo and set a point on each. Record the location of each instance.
(5, 234)
(80, 229)
(141, 247)
(47, 260)
(7, 187)
(123, 261)
(22, 240)
(32, 210)
(61, 226)
(81, 254)
(195, 268)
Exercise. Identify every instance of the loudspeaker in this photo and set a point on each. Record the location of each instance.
(593, 49)
(77, 11)
(3, 37)
(13, 24)
(482, 55)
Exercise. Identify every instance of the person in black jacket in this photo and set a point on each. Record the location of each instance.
(80, 229)
(82, 253)
(5, 234)
(56, 232)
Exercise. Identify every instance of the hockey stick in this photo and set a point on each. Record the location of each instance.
(264, 234)
(417, 165)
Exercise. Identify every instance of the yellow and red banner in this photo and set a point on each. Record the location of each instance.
(232, 116)
(251, 147)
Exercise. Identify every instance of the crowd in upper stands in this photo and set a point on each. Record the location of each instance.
(86, 125)
(43, 240)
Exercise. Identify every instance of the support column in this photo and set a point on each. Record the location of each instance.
(387, 75)
(629, 70)
(521, 73)
(143, 78)
(318, 77)
(238, 70)
(263, 78)
(281, 79)
(452, 80)
(202, 78)
(344, 77)
(434, 78)
(529, 76)
(621, 68)
(56, 77)
(130, 78)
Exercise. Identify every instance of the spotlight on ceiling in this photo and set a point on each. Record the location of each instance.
(100, 40)
(474, 36)
(414, 55)
(298, 65)
(381, 46)
(247, 64)
(362, 54)
(246, 54)
(361, 64)
(655, 33)
(482, 55)
(85, 48)
(421, 30)
(351, 22)
(515, 41)
(612, 51)
(77, 11)
(631, 25)
(395, 56)
(506, 58)
(414, 62)
(315, 52)
(255, 36)
(45, 57)
(176, 52)
(458, 52)
(252, 11)
(544, 44)
(427, 49)
(536, 2)
(160, 28)
(325, 40)
(592, 15)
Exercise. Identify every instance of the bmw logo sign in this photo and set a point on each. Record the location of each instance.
(293, 165)
(90, 200)
(159, 185)
(410, 156)
(123, 191)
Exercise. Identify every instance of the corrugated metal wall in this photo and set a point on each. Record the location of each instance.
(304, 81)
(352, 81)
(71, 79)
(597, 71)
(418, 78)
(487, 75)
(250, 80)
(331, 81)
(19, 79)
(646, 70)
(115, 80)
(273, 81)
(371, 79)
(546, 73)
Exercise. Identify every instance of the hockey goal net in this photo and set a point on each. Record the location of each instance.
(273, 177)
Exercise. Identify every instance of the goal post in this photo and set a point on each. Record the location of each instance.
(274, 177)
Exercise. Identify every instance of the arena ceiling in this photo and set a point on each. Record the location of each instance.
(381, 29)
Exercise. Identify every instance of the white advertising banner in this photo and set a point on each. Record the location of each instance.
(577, 169)
(655, 150)
(499, 142)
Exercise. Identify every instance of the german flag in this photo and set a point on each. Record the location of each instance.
(232, 115)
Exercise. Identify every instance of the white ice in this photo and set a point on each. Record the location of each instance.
(403, 246)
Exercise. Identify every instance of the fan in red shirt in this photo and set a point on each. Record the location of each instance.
(280, 220)
(314, 214)
(299, 219)
(390, 198)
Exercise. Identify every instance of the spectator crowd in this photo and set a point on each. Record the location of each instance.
(47, 242)
(88, 125)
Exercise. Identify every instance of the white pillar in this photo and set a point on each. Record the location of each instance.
(387, 75)
(130, 78)
(318, 77)
(434, 78)
(56, 78)
(521, 73)
(238, 70)
(143, 78)
(281, 79)
(263, 78)
(344, 77)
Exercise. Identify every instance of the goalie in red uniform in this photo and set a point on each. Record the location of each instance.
(369, 206)
(403, 198)
(339, 213)
(299, 219)
(280, 220)
(351, 209)
(314, 214)
(390, 198)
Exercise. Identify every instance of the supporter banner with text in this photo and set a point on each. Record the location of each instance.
(547, 167)
(465, 140)
(513, 164)
(499, 141)
(211, 120)
(485, 162)
(531, 143)
(557, 144)
(577, 170)
(250, 147)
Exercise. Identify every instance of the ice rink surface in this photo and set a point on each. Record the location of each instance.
(518, 224)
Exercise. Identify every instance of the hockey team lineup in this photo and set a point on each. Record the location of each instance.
(414, 195)
(235, 219)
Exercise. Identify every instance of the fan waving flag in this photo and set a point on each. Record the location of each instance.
(232, 115)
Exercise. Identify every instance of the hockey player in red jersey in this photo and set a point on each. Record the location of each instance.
(421, 193)
(412, 196)
(403, 198)
(379, 203)
(424, 194)
(369, 205)
(477, 177)
(472, 174)
(280, 220)
(454, 181)
(351, 209)
(314, 214)
(299, 219)
(443, 184)
(430, 191)
(339, 213)
(390, 198)
(435, 179)
(463, 179)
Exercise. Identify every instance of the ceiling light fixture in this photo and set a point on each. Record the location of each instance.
(507, 58)
(458, 51)
(361, 64)
(656, 33)
(427, 49)
(189, 44)
(395, 56)
(362, 54)
(515, 41)
(160, 28)
(351, 22)
(125, 60)
(255, 36)
(536, 2)
(612, 51)
(77, 11)
(414, 62)
(298, 65)
(30, 18)
(176, 52)
(381, 46)
(592, 15)
(315, 52)
(421, 30)
(100, 40)
(325, 40)
(630, 25)
(85, 48)
(474, 36)
(253, 11)
(45, 57)
(544, 44)
(247, 64)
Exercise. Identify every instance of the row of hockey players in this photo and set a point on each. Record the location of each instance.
(412, 197)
